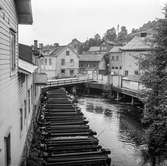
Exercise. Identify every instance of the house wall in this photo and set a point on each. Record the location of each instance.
(49, 68)
(130, 61)
(116, 63)
(25, 85)
(9, 100)
(67, 66)
(9, 88)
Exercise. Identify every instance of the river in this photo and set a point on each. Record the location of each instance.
(117, 131)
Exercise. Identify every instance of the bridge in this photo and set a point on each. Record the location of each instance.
(96, 84)
(69, 81)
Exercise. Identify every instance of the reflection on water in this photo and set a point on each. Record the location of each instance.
(115, 130)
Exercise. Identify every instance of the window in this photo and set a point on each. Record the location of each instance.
(7, 149)
(72, 62)
(112, 67)
(136, 72)
(25, 109)
(21, 119)
(63, 71)
(67, 52)
(45, 61)
(71, 72)
(112, 58)
(120, 67)
(50, 61)
(29, 101)
(13, 50)
(126, 72)
(117, 58)
(116, 67)
(62, 62)
(42, 62)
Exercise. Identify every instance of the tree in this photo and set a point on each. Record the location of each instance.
(154, 78)
(97, 38)
(122, 35)
(110, 34)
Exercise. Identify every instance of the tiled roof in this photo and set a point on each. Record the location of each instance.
(115, 49)
(137, 44)
(57, 50)
(25, 53)
(91, 57)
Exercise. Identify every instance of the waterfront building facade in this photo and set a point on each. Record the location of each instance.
(132, 53)
(12, 13)
(115, 56)
(62, 62)
(92, 64)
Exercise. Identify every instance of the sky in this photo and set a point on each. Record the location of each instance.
(60, 21)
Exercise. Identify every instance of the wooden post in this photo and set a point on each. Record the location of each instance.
(132, 101)
(117, 96)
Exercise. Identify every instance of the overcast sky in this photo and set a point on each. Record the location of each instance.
(62, 20)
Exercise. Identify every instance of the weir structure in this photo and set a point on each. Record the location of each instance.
(62, 136)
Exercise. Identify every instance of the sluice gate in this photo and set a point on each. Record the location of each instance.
(62, 136)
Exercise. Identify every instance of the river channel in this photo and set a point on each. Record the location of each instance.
(116, 129)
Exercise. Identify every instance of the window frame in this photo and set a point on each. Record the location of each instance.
(62, 62)
(13, 56)
(50, 61)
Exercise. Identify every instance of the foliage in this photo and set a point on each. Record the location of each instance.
(96, 41)
(154, 67)
(122, 35)
(110, 34)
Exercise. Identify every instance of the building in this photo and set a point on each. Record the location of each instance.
(12, 13)
(92, 64)
(132, 52)
(62, 62)
(115, 55)
(27, 97)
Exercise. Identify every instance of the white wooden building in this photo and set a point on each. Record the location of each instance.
(62, 62)
(12, 13)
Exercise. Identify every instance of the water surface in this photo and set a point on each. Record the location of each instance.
(116, 129)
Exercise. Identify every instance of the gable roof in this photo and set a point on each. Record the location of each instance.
(60, 49)
(137, 44)
(116, 49)
(25, 53)
(91, 57)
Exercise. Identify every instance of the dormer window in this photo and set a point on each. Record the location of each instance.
(67, 52)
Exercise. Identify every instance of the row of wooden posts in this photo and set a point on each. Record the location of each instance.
(62, 136)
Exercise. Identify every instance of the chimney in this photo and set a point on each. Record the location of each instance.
(35, 44)
(56, 45)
